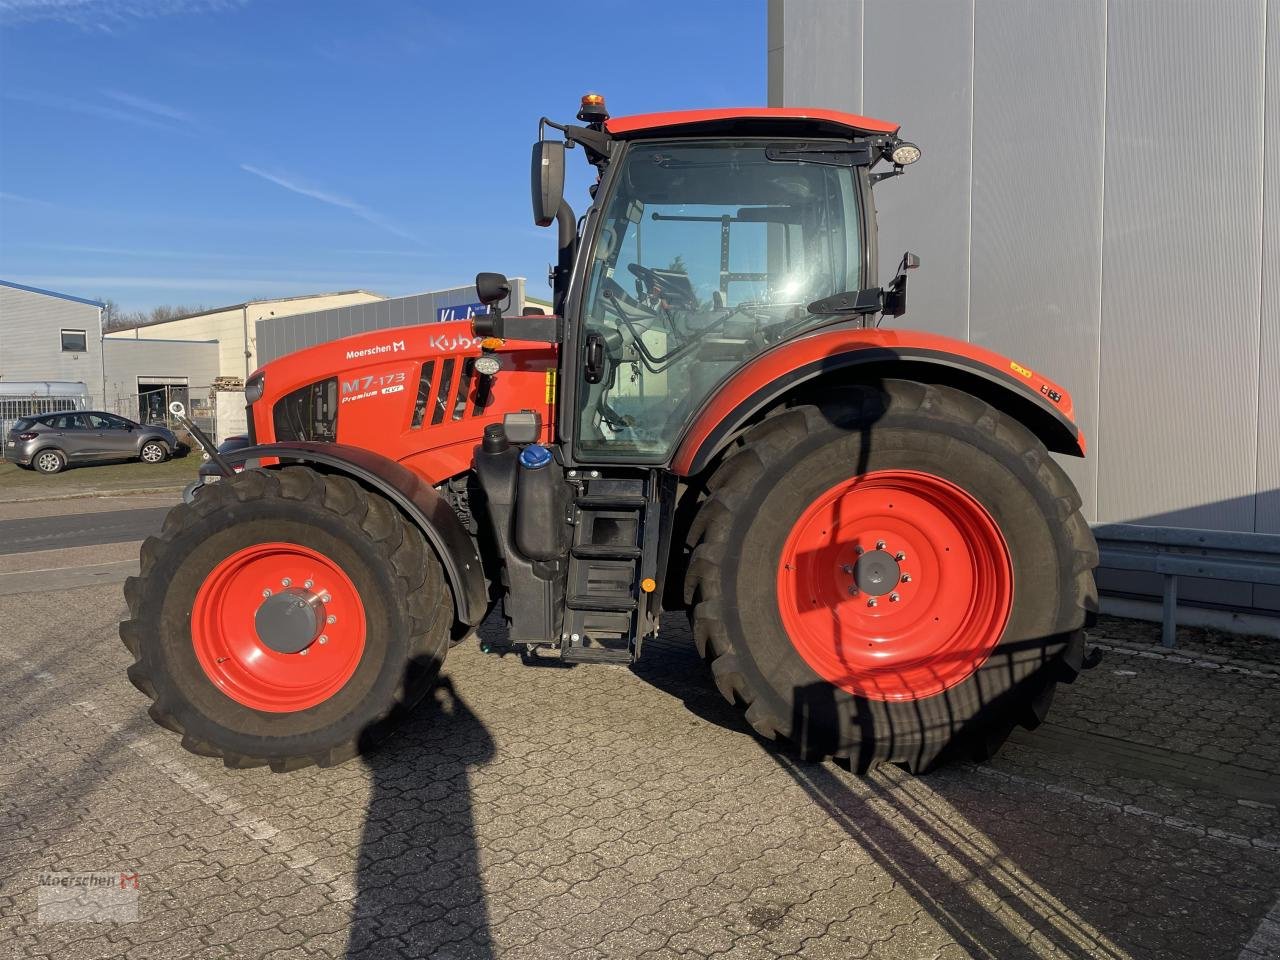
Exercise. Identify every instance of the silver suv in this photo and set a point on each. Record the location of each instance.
(51, 441)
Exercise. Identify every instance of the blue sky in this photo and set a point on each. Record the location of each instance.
(213, 151)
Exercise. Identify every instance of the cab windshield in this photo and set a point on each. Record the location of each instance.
(707, 253)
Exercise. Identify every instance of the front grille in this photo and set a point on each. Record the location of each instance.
(445, 398)
(309, 413)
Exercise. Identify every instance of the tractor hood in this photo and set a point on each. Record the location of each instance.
(411, 394)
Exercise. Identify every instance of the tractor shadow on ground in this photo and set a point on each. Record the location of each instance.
(884, 814)
(418, 886)
(1002, 876)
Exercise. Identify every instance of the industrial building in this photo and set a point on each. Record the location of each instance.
(233, 327)
(1071, 212)
(53, 357)
(276, 336)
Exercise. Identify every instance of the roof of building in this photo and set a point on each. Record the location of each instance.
(741, 119)
(50, 293)
(250, 303)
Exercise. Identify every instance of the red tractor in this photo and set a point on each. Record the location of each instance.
(879, 557)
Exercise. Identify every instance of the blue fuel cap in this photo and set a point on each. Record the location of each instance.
(535, 456)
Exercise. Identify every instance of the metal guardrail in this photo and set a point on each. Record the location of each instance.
(1175, 552)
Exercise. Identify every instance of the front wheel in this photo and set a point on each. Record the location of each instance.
(153, 451)
(924, 582)
(286, 618)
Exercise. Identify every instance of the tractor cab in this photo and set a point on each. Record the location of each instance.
(713, 236)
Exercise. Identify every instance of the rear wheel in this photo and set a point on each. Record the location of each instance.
(925, 583)
(49, 461)
(285, 618)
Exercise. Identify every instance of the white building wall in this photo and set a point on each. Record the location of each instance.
(30, 339)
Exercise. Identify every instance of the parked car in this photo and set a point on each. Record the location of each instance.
(50, 442)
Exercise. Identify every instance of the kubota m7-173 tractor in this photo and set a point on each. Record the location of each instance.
(880, 559)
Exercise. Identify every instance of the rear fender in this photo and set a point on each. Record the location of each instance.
(423, 505)
(851, 355)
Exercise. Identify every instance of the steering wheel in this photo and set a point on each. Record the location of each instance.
(646, 276)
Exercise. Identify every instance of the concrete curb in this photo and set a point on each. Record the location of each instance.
(131, 492)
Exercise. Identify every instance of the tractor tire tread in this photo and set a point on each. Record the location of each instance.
(418, 571)
(764, 444)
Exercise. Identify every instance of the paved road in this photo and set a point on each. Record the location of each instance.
(601, 812)
(79, 529)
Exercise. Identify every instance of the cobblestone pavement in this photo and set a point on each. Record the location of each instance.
(597, 811)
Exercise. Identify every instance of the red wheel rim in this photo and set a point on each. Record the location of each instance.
(895, 585)
(224, 627)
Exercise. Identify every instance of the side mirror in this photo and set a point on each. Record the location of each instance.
(909, 261)
(492, 288)
(547, 180)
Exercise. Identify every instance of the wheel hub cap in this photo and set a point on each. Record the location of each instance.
(291, 621)
(876, 573)
(895, 585)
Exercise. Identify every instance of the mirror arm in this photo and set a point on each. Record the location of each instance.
(567, 226)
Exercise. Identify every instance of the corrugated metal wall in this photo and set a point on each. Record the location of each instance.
(31, 342)
(281, 335)
(1099, 198)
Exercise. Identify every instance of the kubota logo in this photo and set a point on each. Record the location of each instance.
(451, 344)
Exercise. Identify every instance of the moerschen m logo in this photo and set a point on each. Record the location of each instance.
(395, 346)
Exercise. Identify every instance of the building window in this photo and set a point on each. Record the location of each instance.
(73, 341)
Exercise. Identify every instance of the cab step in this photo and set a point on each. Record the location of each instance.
(595, 655)
(606, 551)
(610, 501)
(606, 604)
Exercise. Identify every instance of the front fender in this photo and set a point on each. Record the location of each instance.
(418, 499)
(1039, 403)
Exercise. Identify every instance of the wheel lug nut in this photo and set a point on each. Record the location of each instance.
(325, 598)
(303, 652)
(285, 582)
(894, 598)
(853, 591)
(322, 639)
(899, 556)
(879, 544)
(847, 568)
(872, 602)
(266, 593)
(308, 584)
(906, 578)
(858, 550)
(331, 619)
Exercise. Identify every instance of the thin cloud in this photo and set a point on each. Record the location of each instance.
(107, 15)
(294, 185)
(131, 252)
(164, 111)
(90, 109)
(18, 198)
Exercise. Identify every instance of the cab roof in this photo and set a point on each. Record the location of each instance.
(782, 121)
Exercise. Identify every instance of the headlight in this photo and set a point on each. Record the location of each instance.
(905, 153)
(253, 388)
